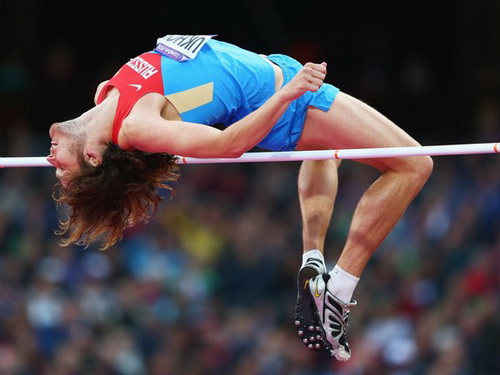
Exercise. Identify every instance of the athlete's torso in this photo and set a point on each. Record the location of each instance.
(220, 86)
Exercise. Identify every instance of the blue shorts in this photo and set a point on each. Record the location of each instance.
(287, 131)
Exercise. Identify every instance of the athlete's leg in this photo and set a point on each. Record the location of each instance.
(317, 186)
(352, 124)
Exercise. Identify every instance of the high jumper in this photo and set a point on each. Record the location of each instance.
(111, 160)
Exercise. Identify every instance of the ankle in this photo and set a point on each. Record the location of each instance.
(315, 253)
(342, 284)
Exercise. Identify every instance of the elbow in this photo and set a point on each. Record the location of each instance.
(233, 151)
(232, 143)
(235, 155)
(229, 153)
(229, 147)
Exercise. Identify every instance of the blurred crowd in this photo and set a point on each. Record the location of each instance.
(208, 286)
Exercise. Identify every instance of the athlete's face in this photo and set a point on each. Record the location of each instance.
(64, 152)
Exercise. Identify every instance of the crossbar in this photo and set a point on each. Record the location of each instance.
(259, 157)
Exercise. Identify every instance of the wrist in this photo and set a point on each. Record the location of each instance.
(283, 96)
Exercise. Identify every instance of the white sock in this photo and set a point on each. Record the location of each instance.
(342, 284)
(315, 253)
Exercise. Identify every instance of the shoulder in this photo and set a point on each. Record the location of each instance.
(98, 91)
(146, 110)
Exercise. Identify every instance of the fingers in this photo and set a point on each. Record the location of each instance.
(314, 75)
(317, 67)
(309, 78)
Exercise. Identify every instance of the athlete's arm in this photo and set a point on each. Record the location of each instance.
(151, 133)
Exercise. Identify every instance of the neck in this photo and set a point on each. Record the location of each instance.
(99, 120)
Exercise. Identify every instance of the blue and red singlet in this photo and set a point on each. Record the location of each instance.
(221, 85)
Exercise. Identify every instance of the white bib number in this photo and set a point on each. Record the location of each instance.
(181, 47)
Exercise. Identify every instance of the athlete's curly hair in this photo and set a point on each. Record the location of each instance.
(107, 199)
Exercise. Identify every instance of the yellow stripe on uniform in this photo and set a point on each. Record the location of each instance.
(192, 98)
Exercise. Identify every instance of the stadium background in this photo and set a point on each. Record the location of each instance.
(208, 287)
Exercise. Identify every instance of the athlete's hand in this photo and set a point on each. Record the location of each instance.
(309, 78)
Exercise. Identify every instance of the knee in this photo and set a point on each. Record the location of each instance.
(421, 169)
(318, 177)
(426, 165)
